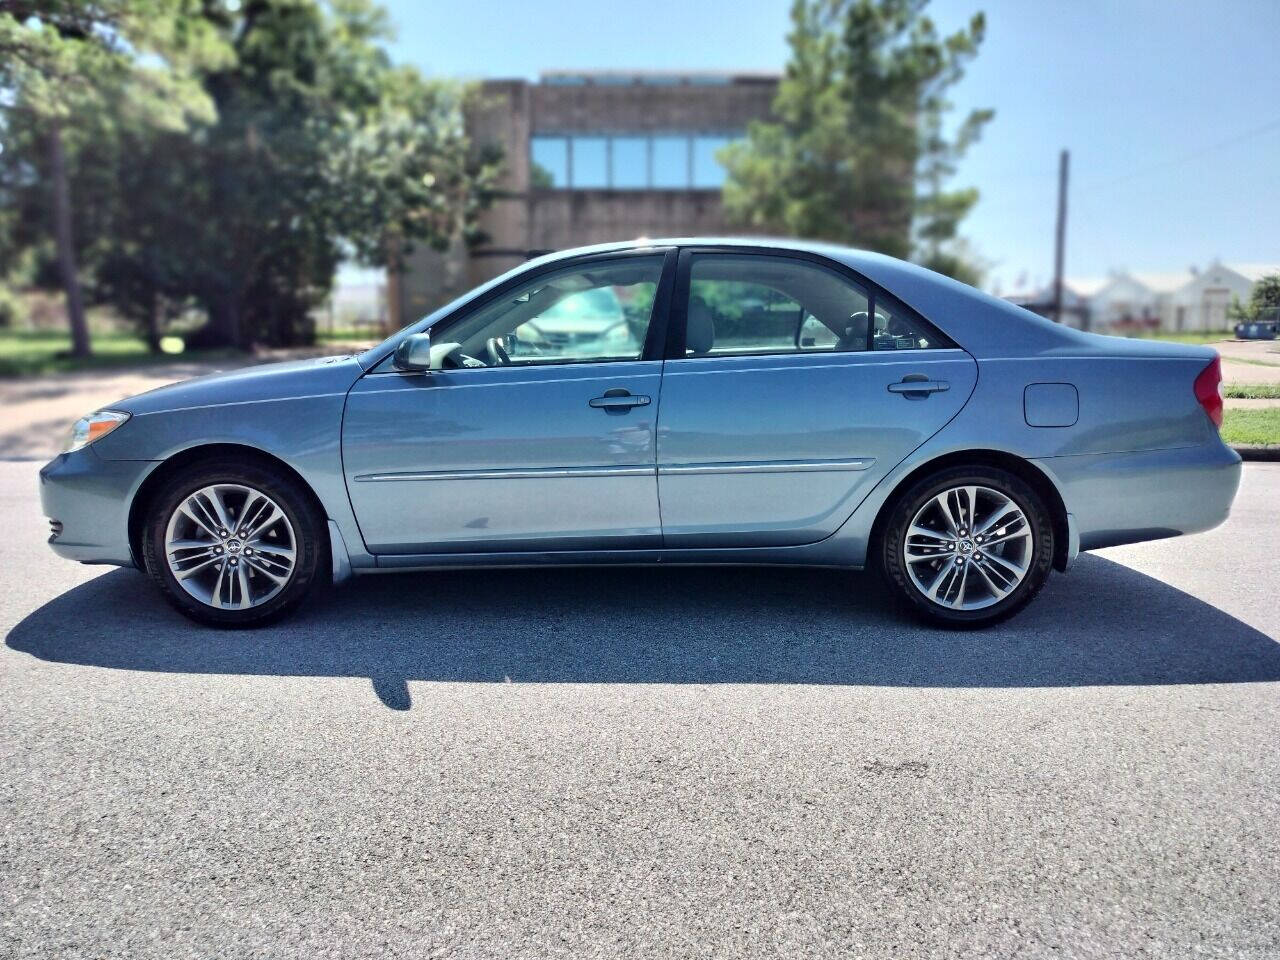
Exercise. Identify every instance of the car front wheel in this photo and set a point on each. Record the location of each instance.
(968, 547)
(233, 546)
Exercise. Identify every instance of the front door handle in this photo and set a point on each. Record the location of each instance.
(618, 401)
(918, 386)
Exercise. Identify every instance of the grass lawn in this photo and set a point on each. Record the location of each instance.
(368, 334)
(36, 351)
(1252, 391)
(1252, 427)
(1198, 337)
(26, 352)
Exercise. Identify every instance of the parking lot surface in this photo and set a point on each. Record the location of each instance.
(645, 763)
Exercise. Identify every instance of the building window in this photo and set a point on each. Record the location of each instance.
(670, 162)
(707, 171)
(589, 161)
(663, 161)
(630, 170)
(549, 161)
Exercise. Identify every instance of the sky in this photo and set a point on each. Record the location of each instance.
(1170, 108)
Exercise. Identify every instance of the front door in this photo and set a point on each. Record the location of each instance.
(537, 432)
(795, 391)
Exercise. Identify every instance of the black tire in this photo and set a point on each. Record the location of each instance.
(306, 520)
(888, 552)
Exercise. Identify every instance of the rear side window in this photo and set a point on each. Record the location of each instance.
(898, 329)
(742, 305)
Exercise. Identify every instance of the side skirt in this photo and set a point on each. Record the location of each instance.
(780, 557)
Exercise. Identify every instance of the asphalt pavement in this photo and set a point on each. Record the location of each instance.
(646, 763)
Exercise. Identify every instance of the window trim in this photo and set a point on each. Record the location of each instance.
(678, 315)
(655, 339)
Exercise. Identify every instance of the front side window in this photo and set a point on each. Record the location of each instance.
(763, 304)
(594, 311)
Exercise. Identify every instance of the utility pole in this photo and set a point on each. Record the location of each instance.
(1064, 159)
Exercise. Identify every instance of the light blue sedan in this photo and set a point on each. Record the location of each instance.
(746, 402)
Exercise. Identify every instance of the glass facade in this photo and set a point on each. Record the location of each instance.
(639, 161)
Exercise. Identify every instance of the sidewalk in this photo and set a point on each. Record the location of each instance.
(1249, 361)
(39, 411)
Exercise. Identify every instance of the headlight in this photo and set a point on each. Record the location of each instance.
(94, 427)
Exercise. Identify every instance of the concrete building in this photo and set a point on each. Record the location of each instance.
(592, 158)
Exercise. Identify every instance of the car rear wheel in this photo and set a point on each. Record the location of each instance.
(233, 546)
(967, 547)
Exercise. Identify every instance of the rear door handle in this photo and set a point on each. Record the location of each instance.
(921, 386)
(618, 401)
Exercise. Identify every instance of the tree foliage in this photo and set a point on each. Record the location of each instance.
(1265, 296)
(139, 57)
(65, 62)
(858, 150)
(301, 145)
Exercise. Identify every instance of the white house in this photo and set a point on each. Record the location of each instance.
(1130, 301)
(1139, 300)
(1136, 300)
(1077, 296)
(1203, 302)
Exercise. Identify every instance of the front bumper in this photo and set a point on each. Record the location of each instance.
(86, 499)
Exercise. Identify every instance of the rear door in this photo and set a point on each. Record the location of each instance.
(789, 391)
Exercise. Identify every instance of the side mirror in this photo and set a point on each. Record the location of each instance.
(413, 355)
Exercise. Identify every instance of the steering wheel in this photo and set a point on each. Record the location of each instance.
(497, 353)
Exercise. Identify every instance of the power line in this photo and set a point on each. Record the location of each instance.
(1195, 154)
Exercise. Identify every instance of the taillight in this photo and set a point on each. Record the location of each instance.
(1208, 387)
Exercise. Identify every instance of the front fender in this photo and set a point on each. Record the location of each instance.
(304, 432)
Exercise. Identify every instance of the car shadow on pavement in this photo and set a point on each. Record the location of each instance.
(1103, 623)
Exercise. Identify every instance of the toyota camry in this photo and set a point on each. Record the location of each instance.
(663, 402)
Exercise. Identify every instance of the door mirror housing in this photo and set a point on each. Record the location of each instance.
(413, 355)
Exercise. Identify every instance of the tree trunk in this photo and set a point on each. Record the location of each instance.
(222, 328)
(395, 283)
(80, 346)
(155, 321)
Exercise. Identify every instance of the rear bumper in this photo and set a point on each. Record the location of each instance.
(1118, 498)
(87, 500)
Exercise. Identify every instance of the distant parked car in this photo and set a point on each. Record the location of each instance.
(674, 402)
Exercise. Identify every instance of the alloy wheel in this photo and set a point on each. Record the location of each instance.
(968, 547)
(230, 546)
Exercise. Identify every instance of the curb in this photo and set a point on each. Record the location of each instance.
(1259, 453)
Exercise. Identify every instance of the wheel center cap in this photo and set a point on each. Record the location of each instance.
(965, 546)
(233, 546)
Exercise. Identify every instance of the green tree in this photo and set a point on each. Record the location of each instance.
(415, 174)
(63, 62)
(858, 151)
(321, 150)
(1265, 296)
(310, 148)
